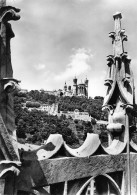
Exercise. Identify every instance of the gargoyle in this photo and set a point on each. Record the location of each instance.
(8, 13)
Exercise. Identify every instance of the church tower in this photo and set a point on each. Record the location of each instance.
(86, 87)
(75, 86)
(65, 87)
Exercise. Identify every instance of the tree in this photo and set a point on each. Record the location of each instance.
(30, 104)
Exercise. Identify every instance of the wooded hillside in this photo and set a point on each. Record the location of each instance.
(35, 126)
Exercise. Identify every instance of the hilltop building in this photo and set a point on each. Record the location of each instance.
(78, 89)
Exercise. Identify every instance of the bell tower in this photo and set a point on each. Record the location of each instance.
(75, 87)
(65, 87)
(86, 87)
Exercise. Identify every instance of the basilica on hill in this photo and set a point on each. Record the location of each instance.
(78, 89)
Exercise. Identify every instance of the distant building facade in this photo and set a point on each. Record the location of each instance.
(49, 109)
(78, 89)
(84, 116)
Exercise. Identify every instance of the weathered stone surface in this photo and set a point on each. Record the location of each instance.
(53, 171)
(61, 169)
(6, 144)
(2, 186)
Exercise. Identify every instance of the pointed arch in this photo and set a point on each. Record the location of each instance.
(109, 180)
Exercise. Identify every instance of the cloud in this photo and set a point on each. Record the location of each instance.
(40, 66)
(121, 2)
(83, 1)
(80, 64)
(122, 5)
(49, 30)
(13, 1)
(96, 83)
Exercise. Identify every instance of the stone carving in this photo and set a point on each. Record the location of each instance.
(9, 157)
(66, 170)
(7, 83)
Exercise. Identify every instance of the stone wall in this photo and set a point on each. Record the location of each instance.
(76, 115)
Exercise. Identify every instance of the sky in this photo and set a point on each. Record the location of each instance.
(56, 40)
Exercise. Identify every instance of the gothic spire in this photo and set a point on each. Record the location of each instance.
(118, 36)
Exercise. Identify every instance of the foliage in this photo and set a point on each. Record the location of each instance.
(41, 96)
(35, 126)
(30, 104)
(92, 106)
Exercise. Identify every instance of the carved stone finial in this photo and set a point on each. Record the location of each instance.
(117, 18)
(118, 43)
(117, 15)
